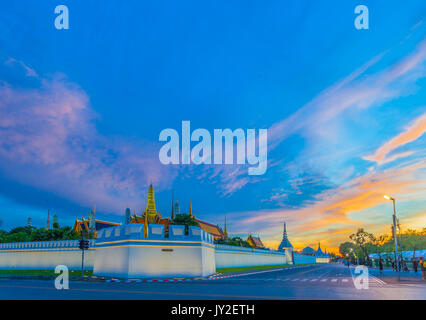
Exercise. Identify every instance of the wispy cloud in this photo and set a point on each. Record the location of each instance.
(359, 90)
(412, 132)
(49, 140)
(338, 208)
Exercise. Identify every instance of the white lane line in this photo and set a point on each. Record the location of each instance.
(305, 280)
(344, 280)
(323, 280)
(334, 280)
(295, 279)
(313, 280)
(378, 280)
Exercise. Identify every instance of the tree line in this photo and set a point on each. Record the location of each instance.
(363, 244)
(30, 234)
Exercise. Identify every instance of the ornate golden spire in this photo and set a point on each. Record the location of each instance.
(150, 207)
(191, 214)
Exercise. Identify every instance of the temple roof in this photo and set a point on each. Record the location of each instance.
(319, 251)
(214, 230)
(256, 241)
(308, 250)
(99, 225)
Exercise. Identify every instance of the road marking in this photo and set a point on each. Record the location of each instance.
(378, 280)
(295, 279)
(334, 280)
(305, 280)
(313, 280)
(323, 280)
(344, 280)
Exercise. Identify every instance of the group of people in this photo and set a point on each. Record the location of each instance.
(404, 267)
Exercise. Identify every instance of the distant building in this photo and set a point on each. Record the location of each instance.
(285, 243)
(213, 229)
(255, 242)
(55, 224)
(308, 251)
(48, 220)
(319, 254)
(319, 251)
(29, 222)
(127, 216)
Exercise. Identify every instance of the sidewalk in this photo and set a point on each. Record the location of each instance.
(391, 276)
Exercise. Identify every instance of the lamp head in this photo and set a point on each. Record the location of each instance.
(388, 197)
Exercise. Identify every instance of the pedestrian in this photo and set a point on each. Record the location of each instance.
(415, 263)
(404, 265)
(381, 265)
(393, 265)
(423, 267)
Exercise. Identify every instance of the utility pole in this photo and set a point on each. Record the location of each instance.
(395, 237)
(396, 240)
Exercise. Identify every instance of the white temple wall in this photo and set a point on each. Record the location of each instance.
(322, 260)
(303, 259)
(45, 255)
(231, 256)
(123, 252)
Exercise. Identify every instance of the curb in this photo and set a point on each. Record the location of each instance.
(214, 277)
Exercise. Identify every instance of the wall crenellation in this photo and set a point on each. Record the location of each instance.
(155, 232)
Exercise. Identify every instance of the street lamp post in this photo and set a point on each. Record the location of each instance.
(394, 236)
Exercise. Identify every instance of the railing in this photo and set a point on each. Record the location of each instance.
(61, 244)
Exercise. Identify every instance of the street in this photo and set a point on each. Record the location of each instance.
(329, 281)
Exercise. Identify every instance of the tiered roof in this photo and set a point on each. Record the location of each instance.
(285, 243)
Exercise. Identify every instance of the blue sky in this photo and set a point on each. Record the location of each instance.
(82, 110)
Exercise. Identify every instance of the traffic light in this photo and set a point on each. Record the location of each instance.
(84, 244)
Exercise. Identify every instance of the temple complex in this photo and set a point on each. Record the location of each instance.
(149, 216)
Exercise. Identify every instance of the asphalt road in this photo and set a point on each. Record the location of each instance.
(331, 281)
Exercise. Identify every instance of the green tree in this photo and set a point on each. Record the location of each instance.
(30, 234)
(345, 249)
(235, 241)
(412, 240)
(361, 238)
(185, 220)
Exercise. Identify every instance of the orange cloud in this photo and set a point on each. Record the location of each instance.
(414, 131)
(337, 213)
